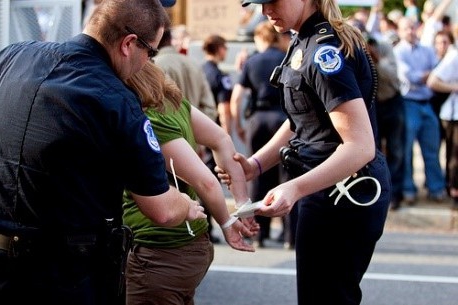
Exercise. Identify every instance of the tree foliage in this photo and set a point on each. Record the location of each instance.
(388, 6)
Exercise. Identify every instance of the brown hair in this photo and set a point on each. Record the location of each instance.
(145, 17)
(154, 88)
(212, 43)
(348, 35)
(266, 31)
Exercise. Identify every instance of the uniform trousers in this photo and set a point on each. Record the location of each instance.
(261, 126)
(335, 243)
(52, 276)
(161, 276)
(391, 139)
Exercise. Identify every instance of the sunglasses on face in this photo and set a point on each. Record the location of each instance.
(151, 51)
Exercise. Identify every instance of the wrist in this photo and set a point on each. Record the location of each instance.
(258, 165)
(229, 222)
(239, 204)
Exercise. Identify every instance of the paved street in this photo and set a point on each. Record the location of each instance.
(415, 262)
(408, 268)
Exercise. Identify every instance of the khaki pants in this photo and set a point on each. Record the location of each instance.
(167, 276)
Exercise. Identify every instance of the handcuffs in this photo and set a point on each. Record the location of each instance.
(343, 190)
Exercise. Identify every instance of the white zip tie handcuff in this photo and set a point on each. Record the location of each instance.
(190, 231)
(343, 190)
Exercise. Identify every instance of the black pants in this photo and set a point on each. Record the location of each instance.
(262, 125)
(335, 243)
(391, 140)
(54, 276)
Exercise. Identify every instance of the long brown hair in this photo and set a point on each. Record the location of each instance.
(348, 35)
(154, 88)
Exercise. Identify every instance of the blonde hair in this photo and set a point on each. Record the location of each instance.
(348, 35)
(154, 88)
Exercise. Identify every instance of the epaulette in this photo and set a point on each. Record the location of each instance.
(324, 31)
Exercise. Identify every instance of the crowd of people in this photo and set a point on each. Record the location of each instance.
(114, 140)
(407, 54)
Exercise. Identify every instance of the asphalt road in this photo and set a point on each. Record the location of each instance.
(408, 268)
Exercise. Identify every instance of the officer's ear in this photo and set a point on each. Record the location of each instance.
(127, 44)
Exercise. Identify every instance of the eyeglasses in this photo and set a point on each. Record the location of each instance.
(151, 51)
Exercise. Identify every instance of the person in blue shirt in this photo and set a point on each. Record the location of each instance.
(263, 114)
(73, 137)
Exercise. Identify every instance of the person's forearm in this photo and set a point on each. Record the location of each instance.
(224, 154)
(210, 192)
(269, 155)
(235, 104)
(168, 209)
(438, 85)
(224, 113)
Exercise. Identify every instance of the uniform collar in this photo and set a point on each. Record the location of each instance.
(308, 27)
(96, 47)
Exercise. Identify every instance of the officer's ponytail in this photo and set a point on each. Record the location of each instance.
(348, 35)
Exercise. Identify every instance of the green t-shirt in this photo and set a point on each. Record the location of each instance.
(168, 126)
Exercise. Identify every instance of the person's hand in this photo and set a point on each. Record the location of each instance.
(249, 168)
(236, 233)
(279, 201)
(252, 225)
(240, 59)
(195, 211)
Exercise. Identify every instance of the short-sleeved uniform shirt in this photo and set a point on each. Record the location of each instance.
(316, 78)
(73, 137)
(168, 126)
(220, 82)
(256, 73)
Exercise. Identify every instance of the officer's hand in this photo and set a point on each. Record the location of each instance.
(249, 169)
(279, 201)
(195, 211)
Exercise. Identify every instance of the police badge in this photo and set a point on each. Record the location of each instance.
(296, 61)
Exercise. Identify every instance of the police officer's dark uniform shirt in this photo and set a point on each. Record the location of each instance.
(256, 73)
(72, 138)
(317, 78)
(220, 83)
(333, 228)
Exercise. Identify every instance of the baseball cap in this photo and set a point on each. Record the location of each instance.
(248, 2)
(168, 3)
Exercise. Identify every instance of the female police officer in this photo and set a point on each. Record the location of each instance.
(343, 191)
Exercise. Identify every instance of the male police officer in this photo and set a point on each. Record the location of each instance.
(73, 137)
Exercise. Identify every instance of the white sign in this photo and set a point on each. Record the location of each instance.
(357, 2)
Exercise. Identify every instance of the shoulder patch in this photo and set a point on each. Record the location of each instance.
(328, 59)
(226, 82)
(150, 136)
